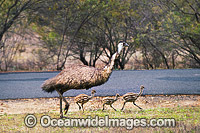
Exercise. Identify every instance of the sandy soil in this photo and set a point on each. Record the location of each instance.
(41, 105)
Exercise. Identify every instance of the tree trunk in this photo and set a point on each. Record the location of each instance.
(161, 53)
(82, 58)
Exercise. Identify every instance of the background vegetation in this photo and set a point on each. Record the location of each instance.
(47, 34)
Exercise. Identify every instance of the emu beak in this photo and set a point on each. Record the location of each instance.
(126, 45)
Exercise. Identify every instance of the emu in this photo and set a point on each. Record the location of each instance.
(110, 101)
(80, 77)
(83, 98)
(132, 97)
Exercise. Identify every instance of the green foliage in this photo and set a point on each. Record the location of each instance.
(162, 31)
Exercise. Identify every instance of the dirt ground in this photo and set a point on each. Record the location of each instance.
(42, 105)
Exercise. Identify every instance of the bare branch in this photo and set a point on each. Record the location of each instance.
(2, 3)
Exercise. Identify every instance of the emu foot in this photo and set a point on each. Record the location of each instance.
(66, 109)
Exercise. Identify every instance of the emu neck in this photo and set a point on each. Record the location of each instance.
(140, 93)
(92, 95)
(112, 62)
(116, 98)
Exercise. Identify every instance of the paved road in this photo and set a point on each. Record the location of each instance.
(181, 81)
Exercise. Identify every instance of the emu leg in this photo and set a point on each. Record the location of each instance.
(66, 103)
(137, 105)
(61, 113)
(82, 107)
(123, 105)
(60, 94)
(112, 107)
(103, 107)
(78, 106)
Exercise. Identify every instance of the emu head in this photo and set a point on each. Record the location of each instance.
(121, 45)
(93, 92)
(117, 95)
(142, 87)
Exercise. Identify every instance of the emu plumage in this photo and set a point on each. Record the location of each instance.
(132, 97)
(110, 101)
(83, 98)
(77, 77)
(80, 77)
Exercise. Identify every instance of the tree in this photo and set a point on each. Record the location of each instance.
(11, 46)
(10, 11)
(70, 18)
(183, 27)
(165, 33)
(114, 26)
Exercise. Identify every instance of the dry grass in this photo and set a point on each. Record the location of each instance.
(185, 110)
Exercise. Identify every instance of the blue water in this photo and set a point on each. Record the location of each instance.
(180, 81)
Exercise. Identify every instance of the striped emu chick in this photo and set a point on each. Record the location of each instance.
(80, 77)
(132, 97)
(83, 98)
(110, 101)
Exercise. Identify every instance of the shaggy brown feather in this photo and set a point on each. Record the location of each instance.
(77, 77)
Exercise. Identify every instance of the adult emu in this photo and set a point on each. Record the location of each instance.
(80, 77)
